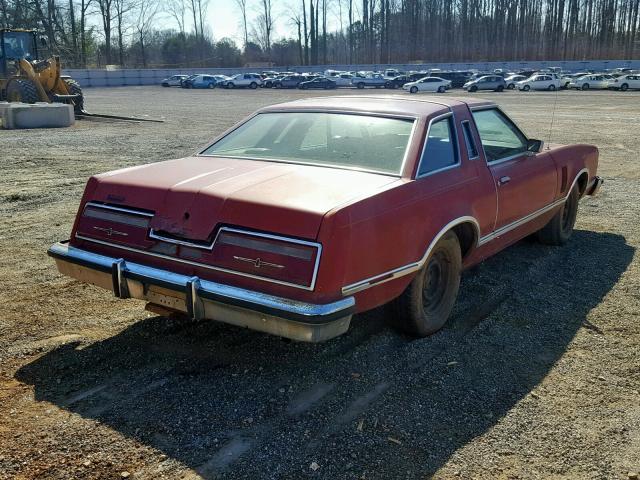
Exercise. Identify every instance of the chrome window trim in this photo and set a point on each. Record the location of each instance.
(452, 126)
(414, 119)
(226, 270)
(116, 209)
(411, 267)
(415, 266)
(496, 107)
(467, 140)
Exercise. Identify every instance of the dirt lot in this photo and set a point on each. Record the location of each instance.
(537, 375)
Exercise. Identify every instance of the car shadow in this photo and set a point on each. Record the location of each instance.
(221, 400)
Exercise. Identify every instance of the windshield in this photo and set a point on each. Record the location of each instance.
(367, 142)
(19, 45)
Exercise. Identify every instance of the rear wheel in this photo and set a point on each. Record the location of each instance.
(231, 85)
(20, 90)
(424, 307)
(441, 89)
(551, 88)
(500, 88)
(560, 227)
(526, 88)
(511, 86)
(360, 85)
(74, 89)
(624, 87)
(253, 85)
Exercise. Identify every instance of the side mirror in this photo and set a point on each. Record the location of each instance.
(534, 146)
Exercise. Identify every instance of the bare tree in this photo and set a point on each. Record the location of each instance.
(242, 6)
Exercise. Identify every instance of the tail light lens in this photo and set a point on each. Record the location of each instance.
(284, 260)
(116, 224)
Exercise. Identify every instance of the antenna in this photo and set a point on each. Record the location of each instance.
(553, 115)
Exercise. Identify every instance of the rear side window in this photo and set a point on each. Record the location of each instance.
(440, 150)
(472, 150)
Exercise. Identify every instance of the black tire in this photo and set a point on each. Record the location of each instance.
(303, 87)
(441, 89)
(277, 85)
(500, 88)
(75, 89)
(212, 85)
(253, 85)
(624, 87)
(360, 85)
(560, 227)
(24, 91)
(526, 88)
(551, 88)
(413, 89)
(424, 307)
(511, 86)
(231, 85)
(473, 88)
(585, 86)
(388, 85)
(165, 84)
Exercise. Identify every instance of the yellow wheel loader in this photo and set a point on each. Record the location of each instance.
(26, 78)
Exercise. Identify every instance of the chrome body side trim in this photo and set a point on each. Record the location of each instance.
(206, 299)
(411, 267)
(415, 266)
(117, 209)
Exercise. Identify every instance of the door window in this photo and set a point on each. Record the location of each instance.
(500, 137)
(440, 150)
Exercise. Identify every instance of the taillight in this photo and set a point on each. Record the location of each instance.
(119, 224)
(284, 260)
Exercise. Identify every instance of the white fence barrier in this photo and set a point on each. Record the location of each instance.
(124, 77)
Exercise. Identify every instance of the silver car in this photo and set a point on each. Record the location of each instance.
(486, 82)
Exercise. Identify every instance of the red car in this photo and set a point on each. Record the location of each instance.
(310, 211)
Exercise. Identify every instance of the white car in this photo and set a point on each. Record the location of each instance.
(539, 82)
(590, 81)
(251, 80)
(511, 80)
(625, 82)
(173, 80)
(428, 84)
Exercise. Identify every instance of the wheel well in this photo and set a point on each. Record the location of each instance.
(582, 183)
(466, 233)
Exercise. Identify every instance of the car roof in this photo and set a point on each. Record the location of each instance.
(387, 104)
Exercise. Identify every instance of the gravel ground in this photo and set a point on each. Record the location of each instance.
(537, 375)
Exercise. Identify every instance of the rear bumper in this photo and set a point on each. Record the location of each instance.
(203, 299)
(595, 185)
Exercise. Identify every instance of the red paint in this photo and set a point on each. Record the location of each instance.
(366, 223)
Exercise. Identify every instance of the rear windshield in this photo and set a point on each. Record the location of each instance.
(376, 144)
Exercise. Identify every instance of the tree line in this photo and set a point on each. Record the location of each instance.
(175, 33)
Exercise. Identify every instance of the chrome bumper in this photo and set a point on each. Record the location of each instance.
(203, 299)
(594, 188)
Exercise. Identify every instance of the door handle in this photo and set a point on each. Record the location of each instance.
(504, 180)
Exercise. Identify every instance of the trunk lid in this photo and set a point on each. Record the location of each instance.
(191, 196)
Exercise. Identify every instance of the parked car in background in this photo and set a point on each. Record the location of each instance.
(511, 80)
(428, 84)
(185, 82)
(397, 82)
(242, 80)
(200, 81)
(587, 82)
(173, 80)
(375, 80)
(539, 82)
(343, 79)
(290, 81)
(457, 78)
(318, 82)
(625, 82)
(309, 212)
(486, 82)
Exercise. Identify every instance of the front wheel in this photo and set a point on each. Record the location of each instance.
(473, 88)
(413, 90)
(212, 85)
(424, 307)
(585, 86)
(511, 86)
(231, 85)
(624, 87)
(500, 88)
(360, 85)
(253, 85)
(526, 88)
(551, 88)
(24, 91)
(560, 227)
(74, 89)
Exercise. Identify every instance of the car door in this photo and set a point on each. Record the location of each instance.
(526, 181)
